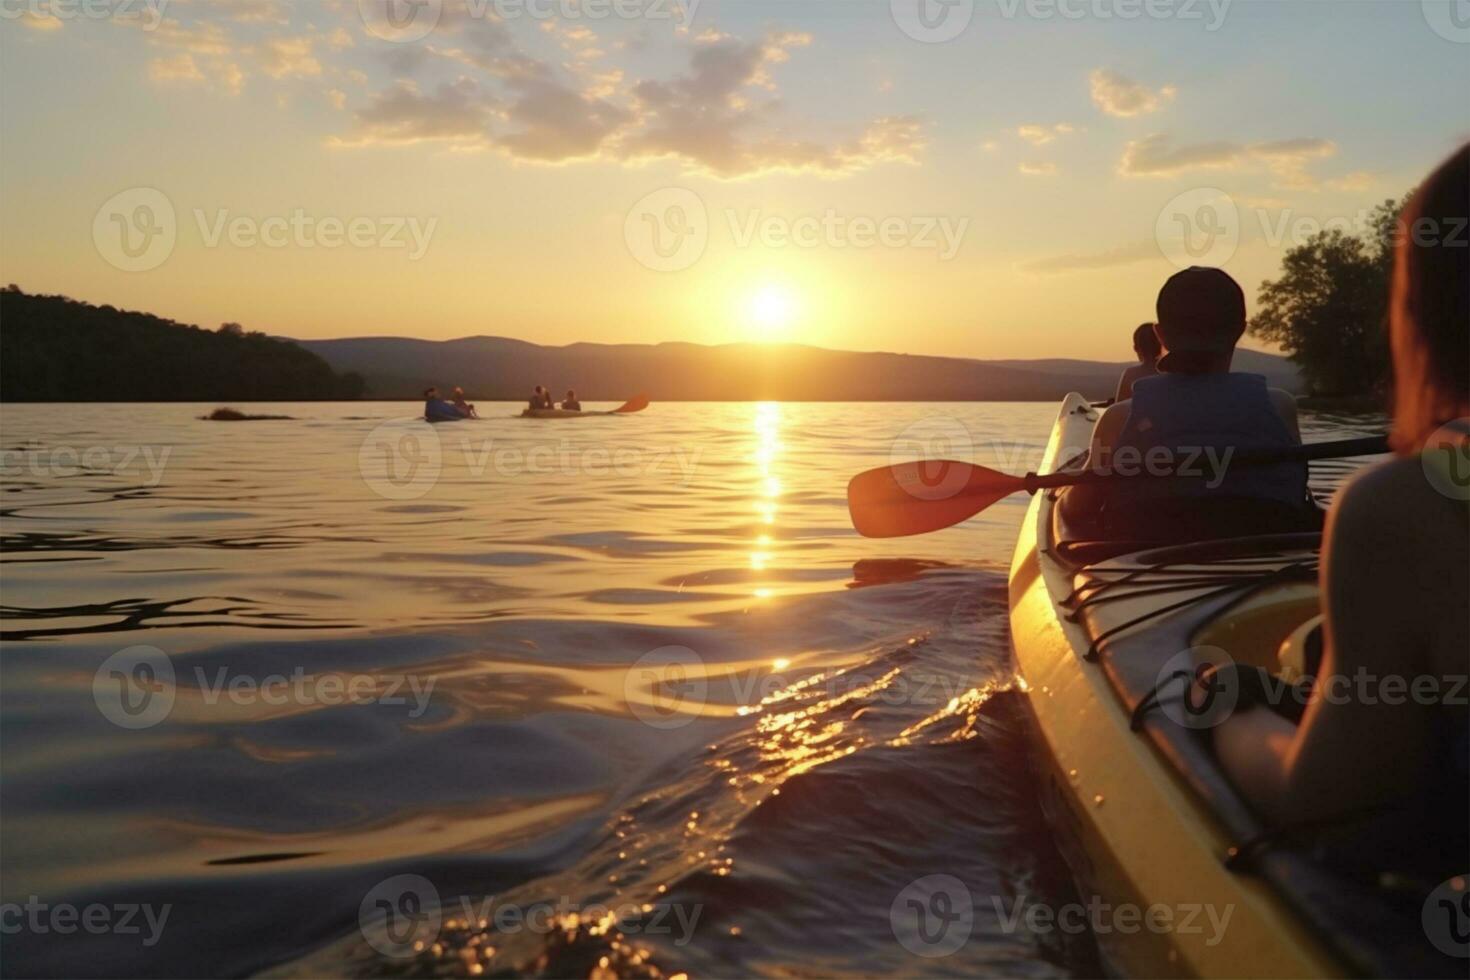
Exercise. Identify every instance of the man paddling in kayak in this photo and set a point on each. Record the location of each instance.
(1146, 345)
(1395, 572)
(541, 399)
(571, 404)
(1195, 409)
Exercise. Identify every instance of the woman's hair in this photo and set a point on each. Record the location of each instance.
(1146, 342)
(1429, 306)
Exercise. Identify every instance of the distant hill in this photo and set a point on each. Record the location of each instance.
(503, 369)
(57, 349)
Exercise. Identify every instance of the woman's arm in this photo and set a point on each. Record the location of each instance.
(1363, 740)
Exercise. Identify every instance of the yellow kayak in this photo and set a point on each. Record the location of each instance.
(1143, 813)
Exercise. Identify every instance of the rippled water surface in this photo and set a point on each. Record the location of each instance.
(638, 664)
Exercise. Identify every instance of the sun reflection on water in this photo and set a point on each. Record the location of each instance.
(767, 451)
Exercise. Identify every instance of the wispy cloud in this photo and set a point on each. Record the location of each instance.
(1157, 156)
(1118, 95)
(1082, 262)
(1038, 168)
(1039, 135)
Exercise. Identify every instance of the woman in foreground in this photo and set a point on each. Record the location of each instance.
(1395, 577)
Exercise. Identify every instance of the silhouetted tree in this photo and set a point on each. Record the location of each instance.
(57, 349)
(1327, 308)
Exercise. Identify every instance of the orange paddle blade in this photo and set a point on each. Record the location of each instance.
(916, 498)
(638, 404)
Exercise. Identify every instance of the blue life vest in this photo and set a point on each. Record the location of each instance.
(1194, 414)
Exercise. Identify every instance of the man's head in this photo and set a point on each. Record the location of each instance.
(539, 390)
(1146, 343)
(431, 392)
(1201, 318)
(571, 395)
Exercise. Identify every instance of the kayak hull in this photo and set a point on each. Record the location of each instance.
(559, 413)
(1130, 826)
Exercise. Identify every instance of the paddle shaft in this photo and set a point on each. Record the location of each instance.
(1367, 446)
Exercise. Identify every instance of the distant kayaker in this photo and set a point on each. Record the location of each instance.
(571, 404)
(465, 408)
(1193, 412)
(437, 409)
(1146, 345)
(541, 399)
(1395, 572)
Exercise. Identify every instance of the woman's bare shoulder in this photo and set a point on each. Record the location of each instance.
(1393, 505)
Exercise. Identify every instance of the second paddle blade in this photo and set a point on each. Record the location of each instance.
(638, 404)
(916, 498)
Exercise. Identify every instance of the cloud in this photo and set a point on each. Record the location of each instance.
(1122, 255)
(1119, 96)
(1355, 182)
(1032, 168)
(179, 68)
(455, 112)
(555, 123)
(1042, 135)
(1156, 156)
(711, 118)
(281, 57)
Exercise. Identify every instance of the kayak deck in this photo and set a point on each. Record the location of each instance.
(1150, 816)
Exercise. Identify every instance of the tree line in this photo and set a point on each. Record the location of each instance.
(53, 348)
(1328, 309)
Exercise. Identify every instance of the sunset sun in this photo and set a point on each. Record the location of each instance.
(771, 311)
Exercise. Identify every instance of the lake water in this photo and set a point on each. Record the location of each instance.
(320, 696)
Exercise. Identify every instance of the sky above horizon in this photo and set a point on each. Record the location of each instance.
(979, 178)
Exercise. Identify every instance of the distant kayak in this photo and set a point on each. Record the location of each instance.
(561, 413)
(636, 405)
